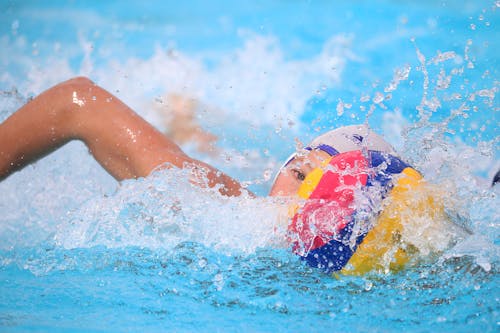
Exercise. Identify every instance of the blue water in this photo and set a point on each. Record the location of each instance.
(78, 252)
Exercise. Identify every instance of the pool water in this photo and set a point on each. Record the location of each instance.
(79, 252)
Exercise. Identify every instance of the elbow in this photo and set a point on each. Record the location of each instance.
(75, 90)
(72, 97)
(80, 81)
(79, 85)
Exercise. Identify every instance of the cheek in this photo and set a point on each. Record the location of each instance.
(285, 185)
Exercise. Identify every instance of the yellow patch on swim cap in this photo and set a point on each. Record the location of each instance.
(312, 180)
(382, 249)
(306, 188)
(309, 183)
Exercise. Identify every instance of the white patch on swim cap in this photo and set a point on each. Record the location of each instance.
(354, 137)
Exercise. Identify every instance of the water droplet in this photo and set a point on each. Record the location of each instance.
(365, 98)
(267, 174)
(378, 98)
(340, 108)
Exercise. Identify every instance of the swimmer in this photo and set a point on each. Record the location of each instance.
(325, 178)
(123, 143)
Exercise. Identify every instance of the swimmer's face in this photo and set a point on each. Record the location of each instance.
(291, 176)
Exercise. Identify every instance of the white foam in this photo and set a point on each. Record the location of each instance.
(165, 210)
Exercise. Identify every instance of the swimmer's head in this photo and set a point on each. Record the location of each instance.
(349, 138)
(340, 181)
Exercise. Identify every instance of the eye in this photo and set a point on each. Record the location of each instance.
(299, 174)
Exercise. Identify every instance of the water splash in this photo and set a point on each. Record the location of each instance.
(165, 210)
(272, 90)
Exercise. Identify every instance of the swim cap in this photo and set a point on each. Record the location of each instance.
(347, 138)
(341, 227)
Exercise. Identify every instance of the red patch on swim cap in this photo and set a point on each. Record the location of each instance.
(331, 204)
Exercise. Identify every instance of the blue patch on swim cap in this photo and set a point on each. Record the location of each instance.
(394, 165)
(334, 255)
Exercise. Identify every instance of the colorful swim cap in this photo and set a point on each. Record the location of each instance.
(347, 138)
(341, 226)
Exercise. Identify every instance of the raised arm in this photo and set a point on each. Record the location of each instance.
(120, 140)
